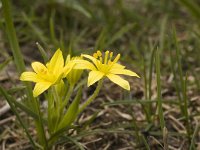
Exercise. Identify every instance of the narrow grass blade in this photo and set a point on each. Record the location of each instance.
(162, 34)
(196, 131)
(145, 142)
(101, 40)
(42, 52)
(120, 33)
(12, 36)
(37, 31)
(135, 101)
(7, 97)
(77, 6)
(52, 29)
(151, 71)
(74, 141)
(192, 6)
(146, 108)
(173, 67)
(4, 64)
(159, 96)
(25, 109)
(18, 59)
(185, 100)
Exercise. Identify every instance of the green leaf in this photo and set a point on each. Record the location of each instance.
(120, 33)
(2, 65)
(192, 7)
(77, 6)
(42, 51)
(71, 113)
(10, 102)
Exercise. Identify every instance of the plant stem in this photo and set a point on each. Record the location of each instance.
(69, 93)
(12, 36)
(92, 97)
(13, 108)
(159, 96)
(18, 59)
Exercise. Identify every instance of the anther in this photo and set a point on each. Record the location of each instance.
(95, 55)
(99, 53)
(106, 57)
(111, 55)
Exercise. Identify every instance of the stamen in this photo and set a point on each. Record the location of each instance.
(111, 55)
(95, 55)
(116, 58)
(106, 57)
(99, 53)
(101, 60)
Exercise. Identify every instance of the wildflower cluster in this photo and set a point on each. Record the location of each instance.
(55, 70)
(59, 78)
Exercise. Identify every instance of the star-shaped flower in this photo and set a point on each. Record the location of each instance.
(103, 66)
(47, 75)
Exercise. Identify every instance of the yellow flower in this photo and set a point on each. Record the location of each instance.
(103, 66)
(47, 75)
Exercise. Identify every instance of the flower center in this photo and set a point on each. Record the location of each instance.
(105, 62)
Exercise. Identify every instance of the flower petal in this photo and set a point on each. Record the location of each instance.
(123, 71)
(84, 64)
(117, 66)
(29, 76)
(94, 76)
(68, 67)
(40, 88)
(93, 59)
(56, 63)
(39, 68)
(119, 81)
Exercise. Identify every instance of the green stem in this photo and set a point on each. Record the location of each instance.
(12, 36)
(18, 59)
(159, 96)
(92, 97)
(57, 108)
(13, 108)
(66, 100)
(40, 128)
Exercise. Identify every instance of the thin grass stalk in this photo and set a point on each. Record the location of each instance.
(192, 6)
(145, 143)
(18, 59)
(178, 54)
(162, 33)
(150, 80)
(172, 61)
(187, 118)
(147, 107)
(13, 108)
(92, 97)
(17, 54)
(12, 36)
(40, 128)
(52, 28)
(151, 72)
(196, 131)
(159, 96)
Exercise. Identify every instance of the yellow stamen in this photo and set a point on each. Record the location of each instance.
(106, 57)
(111, 55)
(116, 58)
(99, 53)
(95, 55)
